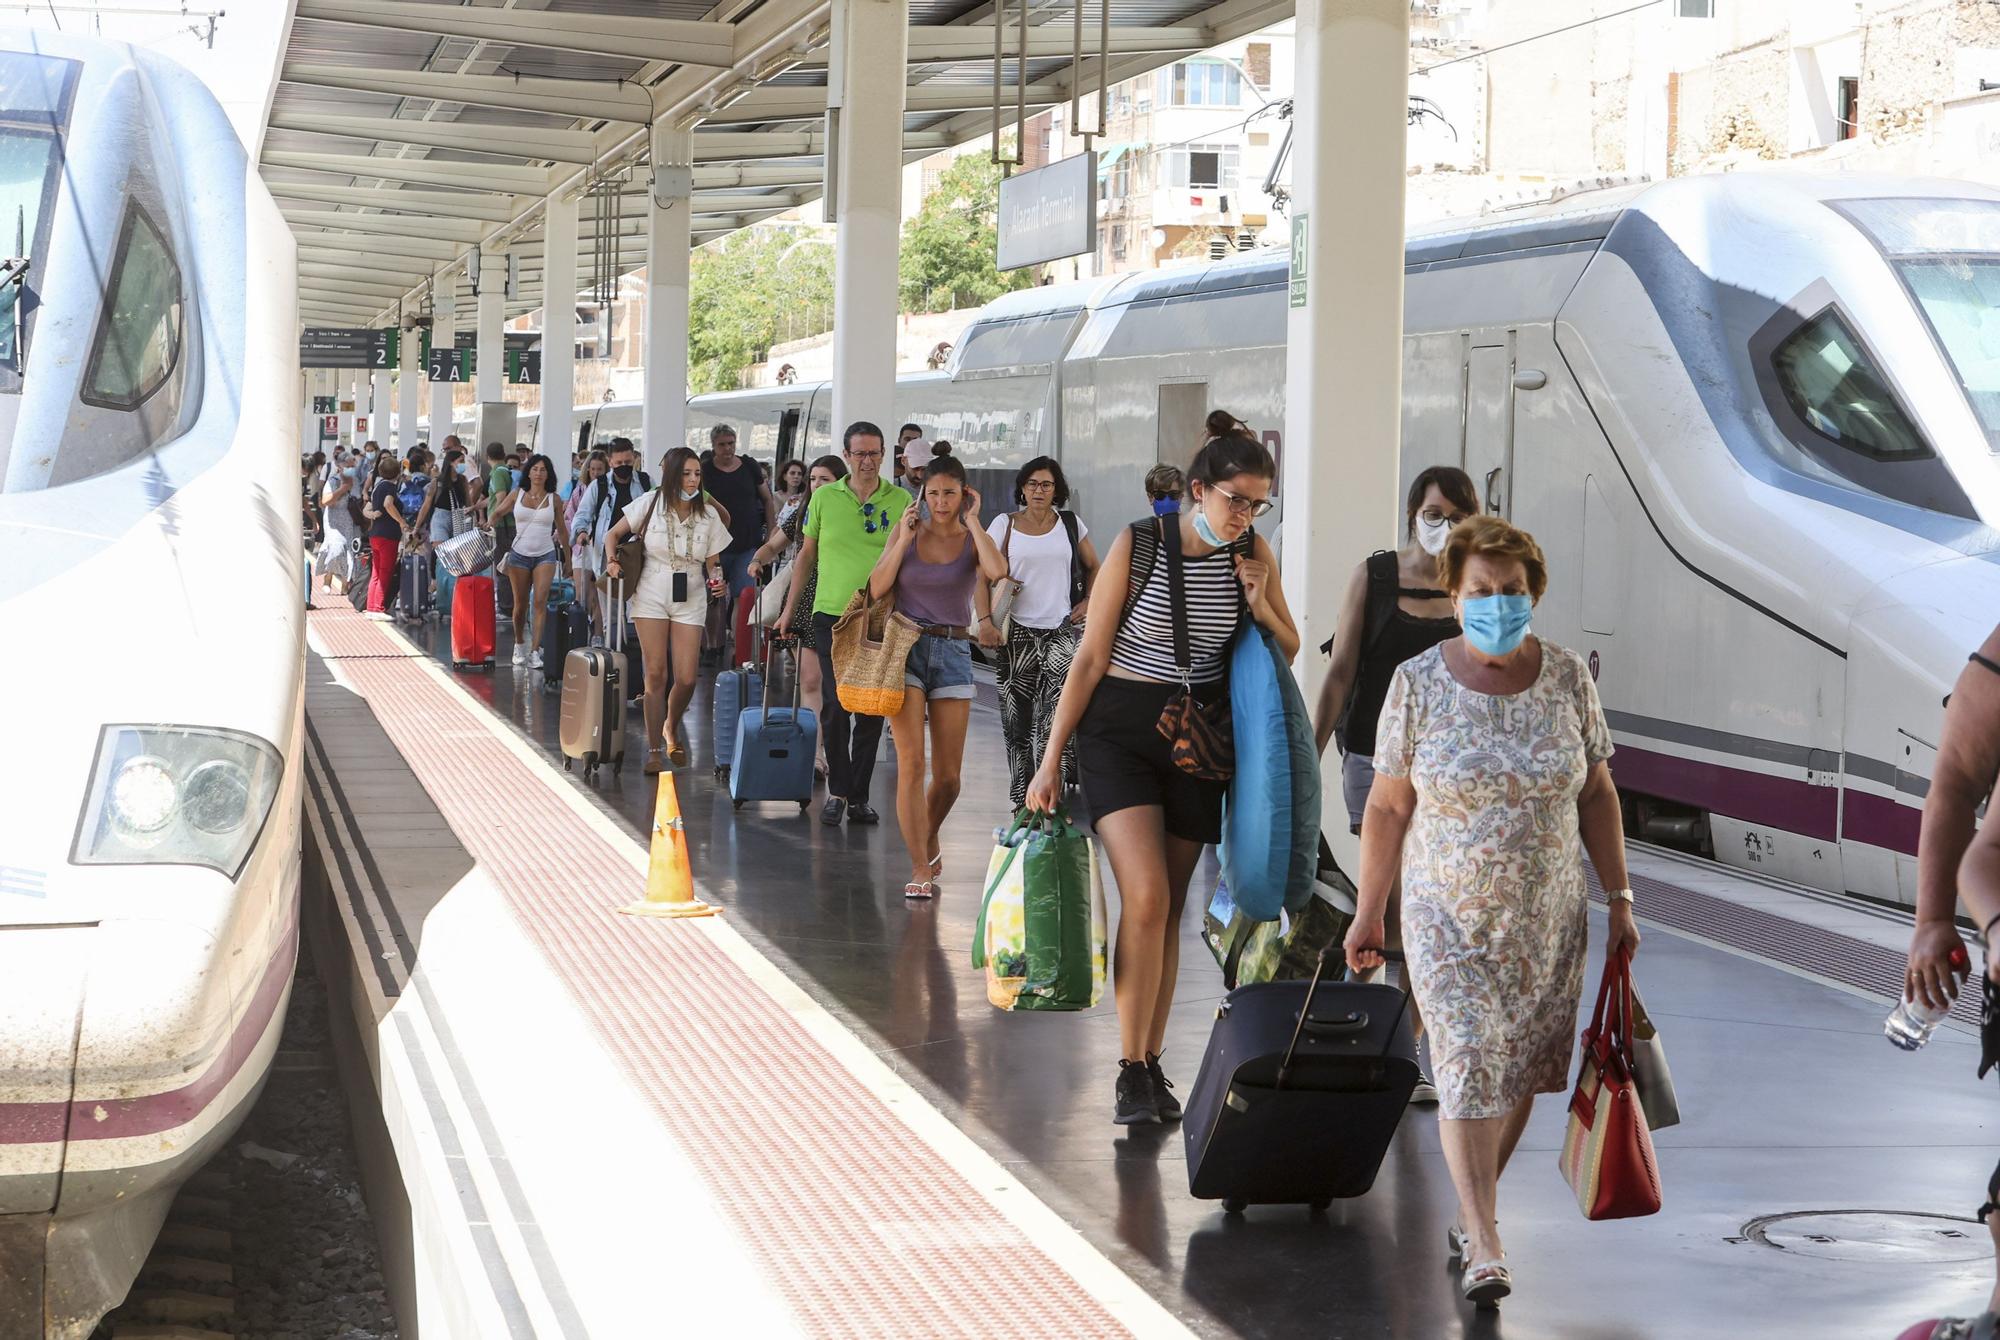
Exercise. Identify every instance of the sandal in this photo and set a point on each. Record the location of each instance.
(937, 865)
(1455, 1241)
(653, 766)
(917, 890)
(677, 754)
(1486, 1283)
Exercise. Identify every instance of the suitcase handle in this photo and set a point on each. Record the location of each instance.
(1355, 1021)
(1305, 1012)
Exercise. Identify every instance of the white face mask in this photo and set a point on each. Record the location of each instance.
(689, 495)
(1432, 535)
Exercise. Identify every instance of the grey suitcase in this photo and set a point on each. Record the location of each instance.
(592, 727)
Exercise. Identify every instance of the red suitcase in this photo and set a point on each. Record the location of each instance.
(472, 622)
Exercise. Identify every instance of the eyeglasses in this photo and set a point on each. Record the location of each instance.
(868, 521)
(864, 455)
(1431, 516)
(1241, 506)
(1039, 485)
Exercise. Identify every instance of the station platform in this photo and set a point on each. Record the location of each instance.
(802, 1118)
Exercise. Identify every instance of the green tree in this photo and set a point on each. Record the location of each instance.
(749, 292)
(950, 249)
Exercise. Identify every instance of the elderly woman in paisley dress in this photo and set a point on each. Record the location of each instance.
(1490, 782)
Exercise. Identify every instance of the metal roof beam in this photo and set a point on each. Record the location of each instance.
(789, 103)
(408, 278)
(490, 177)
(426, 249)
(964, 43)
(593, 99)
(388, 225)
(557, 146)
(728, 146)
(330, 291)
(711, 178)
(441, 204)
(681, 41)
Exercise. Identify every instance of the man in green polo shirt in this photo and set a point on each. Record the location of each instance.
(847, 527)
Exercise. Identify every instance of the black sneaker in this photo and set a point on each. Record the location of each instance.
(833, 811)
(1163, 1089)
(1137, 1100)
(861, 812)
(1425, 1094)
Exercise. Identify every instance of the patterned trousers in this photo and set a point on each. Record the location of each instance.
(1033, 665)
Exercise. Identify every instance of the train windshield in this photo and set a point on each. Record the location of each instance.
(35, 93)
(1947, 253)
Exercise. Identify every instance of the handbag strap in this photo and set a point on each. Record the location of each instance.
(1170, 541)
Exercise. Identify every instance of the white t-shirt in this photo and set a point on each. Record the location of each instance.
(1041, 564)
(674, 543)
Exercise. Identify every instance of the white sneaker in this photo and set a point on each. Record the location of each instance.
(535, 658)
(520, 655)
(1425, 1094)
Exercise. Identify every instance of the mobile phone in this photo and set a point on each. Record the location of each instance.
(680, 587)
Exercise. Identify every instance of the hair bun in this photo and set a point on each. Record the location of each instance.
(1221, 423)
(940, 450)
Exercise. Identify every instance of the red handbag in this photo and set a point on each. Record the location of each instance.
(1607, 1153)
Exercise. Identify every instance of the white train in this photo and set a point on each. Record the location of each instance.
(150, 582)
(1751, 418)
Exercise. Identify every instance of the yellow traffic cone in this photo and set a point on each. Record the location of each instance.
(669, 877)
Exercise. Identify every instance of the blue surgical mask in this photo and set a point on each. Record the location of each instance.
(1495, 625)
(1204, 530)
(1166, 506)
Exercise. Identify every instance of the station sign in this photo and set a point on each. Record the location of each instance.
(329, 424)
(348, 347)
(1296, 286)
(1049, 213)
(524, 367)
(325, 404)
(360, 426)
(455, 364)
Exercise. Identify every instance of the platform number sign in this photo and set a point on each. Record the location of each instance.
(383, 348)
(325, 404)
(524, 367)
(1297, 286)
(455, 364)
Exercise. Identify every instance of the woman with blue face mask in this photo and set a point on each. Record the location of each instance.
(1491, 782)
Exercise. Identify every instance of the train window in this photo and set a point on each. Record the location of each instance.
(1838, 408)
(138, 340)
(27, 173)
(1960, 297)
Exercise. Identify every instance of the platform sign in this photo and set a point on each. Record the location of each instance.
(325, 404)
(1049, 213)
(348, 347)
(329, 425)
(360, 427)
(1297, 287)
(455, 364)
(524, 367)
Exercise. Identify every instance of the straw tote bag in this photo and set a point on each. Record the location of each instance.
(871, 647)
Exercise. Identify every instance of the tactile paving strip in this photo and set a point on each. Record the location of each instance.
(354, 636)
(861, 1226)
(1841, 958)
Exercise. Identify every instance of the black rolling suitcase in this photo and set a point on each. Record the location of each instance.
(1300, 1091)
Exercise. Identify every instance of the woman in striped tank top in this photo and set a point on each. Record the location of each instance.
(1152, 818)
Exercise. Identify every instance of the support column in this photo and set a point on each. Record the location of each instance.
(351, 382)
(409, 391)
(558, 328)
(865, 97)
(444, 330)
(668, 238)
(381, 405)
(492, 340)
(1344, 333)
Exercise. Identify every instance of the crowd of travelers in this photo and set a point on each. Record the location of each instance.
(1474, 754)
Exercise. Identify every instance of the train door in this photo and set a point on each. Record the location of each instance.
(1181, 425)
(1489, 422)
(788, 436)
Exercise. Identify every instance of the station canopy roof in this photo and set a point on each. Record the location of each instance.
(404, 134)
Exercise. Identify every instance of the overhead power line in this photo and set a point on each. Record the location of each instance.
(1553, 32)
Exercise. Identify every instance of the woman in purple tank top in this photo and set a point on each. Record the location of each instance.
(931, 565)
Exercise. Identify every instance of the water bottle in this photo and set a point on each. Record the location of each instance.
(1912, 1022)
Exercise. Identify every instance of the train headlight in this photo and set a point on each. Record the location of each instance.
(176, 795)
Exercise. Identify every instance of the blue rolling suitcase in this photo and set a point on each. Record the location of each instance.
(443, 584)
(565, 627)
(773, 759)
(735, 691)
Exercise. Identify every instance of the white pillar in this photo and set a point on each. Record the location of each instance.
(1344, 345)
(409, 390)
(492, 350)
(351, 382)
(558, 328)
(380, 406)
(668, 238)
(865, 100)
(444, 329)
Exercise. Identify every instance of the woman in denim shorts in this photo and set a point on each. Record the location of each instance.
(931, 565)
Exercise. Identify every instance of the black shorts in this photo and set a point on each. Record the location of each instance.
(1125, 761)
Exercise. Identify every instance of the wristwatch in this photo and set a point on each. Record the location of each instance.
(1618, 896)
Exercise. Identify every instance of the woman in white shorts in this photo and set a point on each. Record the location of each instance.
(684, 536)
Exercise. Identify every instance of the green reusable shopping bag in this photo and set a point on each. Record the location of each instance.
(1040, 934)
(1286, 949)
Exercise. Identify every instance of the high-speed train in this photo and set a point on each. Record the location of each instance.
(152, 685)
(1753, 420)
